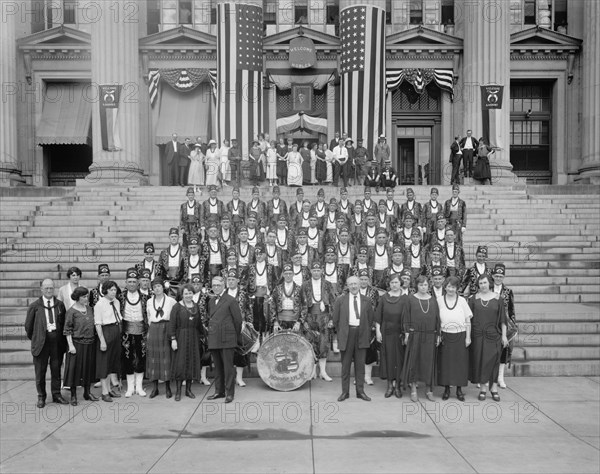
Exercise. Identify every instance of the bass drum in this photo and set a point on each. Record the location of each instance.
(285, 361)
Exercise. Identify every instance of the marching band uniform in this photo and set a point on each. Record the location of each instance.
(226, 233)
(438, 234)
(345, 252)
(287, 307)
(507, 297)
(469, 280)
(236, 208)
(261, 280)
(275, 207)
(431, 209)
(432, 262)
(455, 258)
(172, 261)
(255, 235)
(284, 238)
(190, 217)
(149, 263)
(367, 202)
(296, 208)
(213, 208)
(412, 207)
(384, 221)
(414, 258)
(396, 266)
(243, 250)
(369, 235)
(319, 207)
(301, 273)
(344, 205)
(145, 287)
(306, 251)
(257, 206)
(331, 271)
(392, 209)
(314, 235)
(379, 260)
(357, 222)
(329, 222)
(455, 211)
(213, 255)
(103, 275)
(361, 263)
(193, 262)
(371, 358)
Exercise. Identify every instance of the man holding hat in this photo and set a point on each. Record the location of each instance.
(103, 275)
(319, 297)
(508, 298)
(172, 261)
(381, 152)
(235, 159)
(288, 311)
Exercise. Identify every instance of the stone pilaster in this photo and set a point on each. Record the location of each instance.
(486, 29)
(9, 162)
(589, 171)
(115, 60)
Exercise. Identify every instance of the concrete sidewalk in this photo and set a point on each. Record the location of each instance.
(541, 425)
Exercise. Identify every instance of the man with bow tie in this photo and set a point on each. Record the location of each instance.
(44, 327)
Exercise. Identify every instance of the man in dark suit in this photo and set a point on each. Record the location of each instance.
(334, 141)
(468, 145)
(172, 150)
(44, 326)
(184, 161)
(224, 329)
(353, 320)
(455, 157)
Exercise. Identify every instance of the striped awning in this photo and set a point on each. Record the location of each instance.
(66, 115)
(419, 78)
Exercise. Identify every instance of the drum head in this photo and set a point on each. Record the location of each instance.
(285, 361)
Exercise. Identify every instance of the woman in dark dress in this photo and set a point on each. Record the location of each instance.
(422, 334)
(488, 337)
(482, 171)
(388, 320)
(185, 332)
(305, 154)
(282, 153)
(80, 363)
(453, 354)
(321, 165)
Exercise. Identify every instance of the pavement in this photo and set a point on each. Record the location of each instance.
(541, 425)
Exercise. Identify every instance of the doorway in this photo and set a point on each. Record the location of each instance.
(414, 155)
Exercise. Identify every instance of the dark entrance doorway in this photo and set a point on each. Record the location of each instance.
(67, 163)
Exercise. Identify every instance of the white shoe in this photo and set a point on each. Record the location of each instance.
(501, 382)
(204, 381)
(139, 380)
(98, 385)
(238, 378)
(241, 383)
(130, 385)
(369, 381)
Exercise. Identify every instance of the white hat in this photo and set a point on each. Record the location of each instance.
(212, 142)
(382, 136)
(348, 140)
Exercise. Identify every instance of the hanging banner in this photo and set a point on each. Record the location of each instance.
(109, 113)
(302, 53)
(491, 97)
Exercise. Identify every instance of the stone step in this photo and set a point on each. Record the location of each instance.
(560, 340)
(555, 353)
(557, 368)
(530, 330)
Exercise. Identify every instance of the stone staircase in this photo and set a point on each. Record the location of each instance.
(546, 235)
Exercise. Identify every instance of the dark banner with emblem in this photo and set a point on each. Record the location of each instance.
(491, 99)
(109, 113)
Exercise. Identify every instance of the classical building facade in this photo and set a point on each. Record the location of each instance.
(57, 127)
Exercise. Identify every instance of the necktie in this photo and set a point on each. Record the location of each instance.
(356, 312)
(50, 313)
(117, 317)
(217, 300)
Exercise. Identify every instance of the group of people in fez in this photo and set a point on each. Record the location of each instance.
(379, 281)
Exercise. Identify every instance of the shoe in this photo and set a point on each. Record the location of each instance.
(66, 387)
(168, 393)
(363, 396)
(325, 377)
(106, 398)
(481, 396)
(390, 391)
(501, 382)
(228, 398)
(204, 381)
(90, 397)
(429, 396)
(188, 389)
(241, 383)
(60, 400)
(154, 391)
(98, 385)
(41, 403)
(114, 394)
(414, 397)
(446, 394)
(178, 384)
(214, 396)
(139, 384)
(398, 392)
(130, 385)
(343, 396)
(495, 396)
(459, 394)
(73, 400)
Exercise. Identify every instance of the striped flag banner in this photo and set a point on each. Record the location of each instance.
(109, 114)
(239, 73)
(362, 63)
(419, 78)
(153, 79)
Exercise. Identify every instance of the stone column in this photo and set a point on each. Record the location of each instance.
(589, 171)
(486, 29)
(115, 60)
(9, 162)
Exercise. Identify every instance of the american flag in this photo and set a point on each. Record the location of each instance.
(362, 63)
(239, 73)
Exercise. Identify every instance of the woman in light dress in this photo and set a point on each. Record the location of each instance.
(196, 172)
(213, 162)
(225, 168)
(329, 159)
(272, 163)
(294, 175)
(313, 163)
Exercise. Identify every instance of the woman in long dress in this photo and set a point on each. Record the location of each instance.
(294, 174)
(80, 362)
(272, 163)
(321, 165)
(422, 335)
(213, 163)
(196, 172)
(389, 327)
(329, 160)
(225, 167)
(255, 156)
(158, 352)
(482, 171)
(313, 163)
(488, 337)
(453, 354)
(282, 154)
(305, 153)
(185, 332)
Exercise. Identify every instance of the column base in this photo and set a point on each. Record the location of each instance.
(10, 176)
(502, 173)
(114, 174)
(589, 173)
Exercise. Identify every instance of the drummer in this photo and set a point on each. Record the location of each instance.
(241, 296)
(319, 297)
(287, 309)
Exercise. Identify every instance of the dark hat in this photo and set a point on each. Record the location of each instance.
(148, 247)
(387, 190)
(436, 248)
(482, 249)
(359, 140)
(287, 267)
(302, 231)
(382, 202)
(281, 218)
(173, 231)
(131, 273)
(299, 191)
(321, 192)
(330, 249)
(212, 187)
(316, 265)
(193, 241)
(406, 272)
(410, 190)
(276, 189)
(367, 189)
(259, 249)
(358, 202)
(242, 228)
(212, 224)
(157, 281)
(235, 188)
(313, 215)
(231, 252)
(397, 249)
(272, 230)
(196, 278)
(145, 273)
(363, 250)
(234, 139)
(344, 228)
(434, 190)
(381, 230)
(255, 141)
(255, 189)
(455, 186)
(252, 215)
(371, 213)
(363, 272)
(103, 268)
(437, 271)
(415, 232)
(408, 215)
(499, 269)
(333, 201)
(343, 190)
(232, 273)
(339, 216)
(190, 190)
(225, 217)
(448, 227)
(440, 216)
